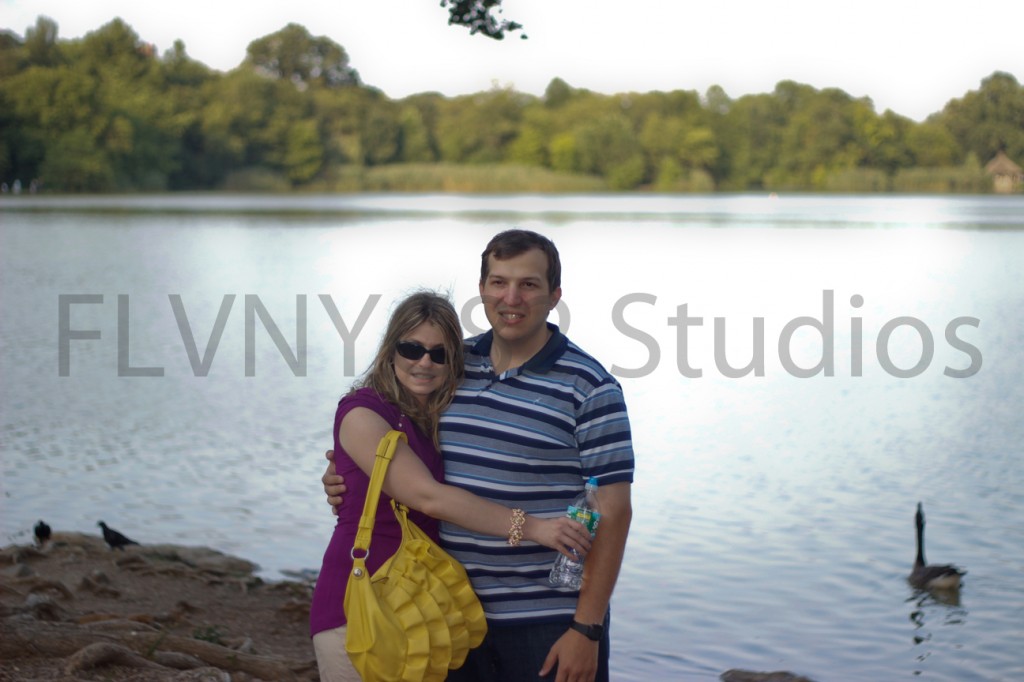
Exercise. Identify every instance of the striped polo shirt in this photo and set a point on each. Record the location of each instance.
(529, 438)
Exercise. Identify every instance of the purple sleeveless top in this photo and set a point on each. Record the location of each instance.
(327, 609)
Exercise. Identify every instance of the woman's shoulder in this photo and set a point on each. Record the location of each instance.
(370, 399)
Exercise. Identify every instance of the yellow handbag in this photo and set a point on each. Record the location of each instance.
(417, 617)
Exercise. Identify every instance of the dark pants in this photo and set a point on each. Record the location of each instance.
(516, 653)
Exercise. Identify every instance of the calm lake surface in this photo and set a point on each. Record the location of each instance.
(773, 511)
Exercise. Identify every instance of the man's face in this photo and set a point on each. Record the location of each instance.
(516, 297)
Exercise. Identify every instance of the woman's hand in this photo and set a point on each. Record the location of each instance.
(562, 534)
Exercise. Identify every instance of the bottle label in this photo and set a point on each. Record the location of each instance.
(588, 517)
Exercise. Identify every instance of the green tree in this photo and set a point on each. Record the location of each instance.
(699, 148)
(182, 70)
(479, 17)
(882, 137)
(750, 138)
(41, 47)
(529, 148)
(557, 93)
(104, 112)
(304, 154)
(478, 128)
(988, 119)
(608, 147)
(235, 121)
(931, 145)
(662, 138)
(76, 163)
(48, 104)
(187, 84)
(669, 174)
(113, 50)
(820, 137)
(103, 99)
(381, 134)
(717, 101)
(421, 113)
(12, 55)
(416, 141)
(293, 54)
(562, 153)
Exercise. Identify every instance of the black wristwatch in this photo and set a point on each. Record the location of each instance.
(591, 632)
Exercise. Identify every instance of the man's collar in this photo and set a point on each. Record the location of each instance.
(542, 361)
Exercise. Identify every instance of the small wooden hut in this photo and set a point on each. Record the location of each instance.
(1007, 177)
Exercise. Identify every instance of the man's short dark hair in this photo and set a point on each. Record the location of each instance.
(512, 243)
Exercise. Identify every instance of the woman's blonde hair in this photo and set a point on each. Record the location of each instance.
(414, 310)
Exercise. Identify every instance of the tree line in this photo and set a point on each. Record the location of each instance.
(105, 113)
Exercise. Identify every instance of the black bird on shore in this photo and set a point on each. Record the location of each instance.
(114, 539)
(42, 532)
(934, 577)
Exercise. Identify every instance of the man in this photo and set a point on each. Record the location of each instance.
(534, 418)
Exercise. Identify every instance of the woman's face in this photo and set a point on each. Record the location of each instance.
(422, 376)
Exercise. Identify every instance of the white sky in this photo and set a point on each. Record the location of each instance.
(906, 55)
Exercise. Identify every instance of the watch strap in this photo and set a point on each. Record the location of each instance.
(591, 632)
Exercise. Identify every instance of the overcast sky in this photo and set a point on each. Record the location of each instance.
(908, 56)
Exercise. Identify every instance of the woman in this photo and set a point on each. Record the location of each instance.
(411, 381)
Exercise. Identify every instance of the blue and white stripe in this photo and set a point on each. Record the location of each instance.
(530, 438)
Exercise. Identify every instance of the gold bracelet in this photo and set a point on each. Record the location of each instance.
(515, 533)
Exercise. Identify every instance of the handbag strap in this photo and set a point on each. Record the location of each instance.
(385, 451)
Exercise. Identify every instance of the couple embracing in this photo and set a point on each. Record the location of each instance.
(503, 430)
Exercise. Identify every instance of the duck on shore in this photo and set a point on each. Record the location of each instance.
(934, 577)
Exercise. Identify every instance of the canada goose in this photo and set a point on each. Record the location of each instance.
(925, 577)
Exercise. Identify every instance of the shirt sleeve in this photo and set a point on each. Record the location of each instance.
(369, 399)
(603, 435)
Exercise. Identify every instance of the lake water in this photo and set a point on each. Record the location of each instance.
(773, 511)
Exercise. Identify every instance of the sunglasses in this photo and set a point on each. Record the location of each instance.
(414, 351)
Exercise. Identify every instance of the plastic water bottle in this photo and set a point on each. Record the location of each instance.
(569, 572)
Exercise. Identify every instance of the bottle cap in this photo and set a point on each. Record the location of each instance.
(592, 481)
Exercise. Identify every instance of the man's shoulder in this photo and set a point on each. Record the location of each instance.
(470, 342)
(475, 360)
(578, 361)
(476, 347)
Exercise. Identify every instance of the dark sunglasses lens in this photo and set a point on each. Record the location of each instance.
(411, 351)
(414, 351)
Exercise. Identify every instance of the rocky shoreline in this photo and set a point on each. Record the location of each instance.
(74, 610)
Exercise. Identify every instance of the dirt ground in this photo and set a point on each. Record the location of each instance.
(75, 610)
